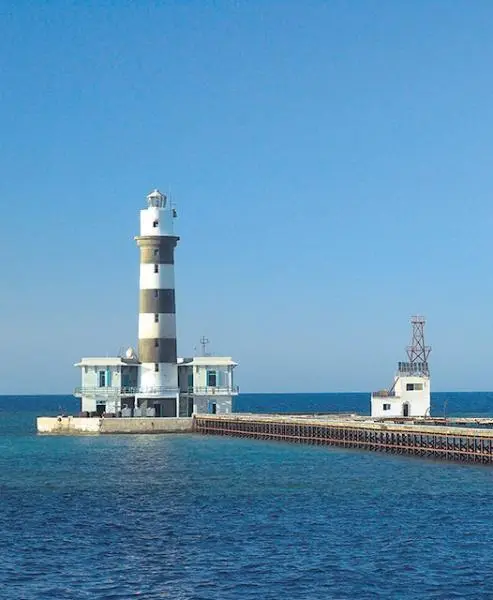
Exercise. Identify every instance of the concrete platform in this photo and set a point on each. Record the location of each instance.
(95, 425)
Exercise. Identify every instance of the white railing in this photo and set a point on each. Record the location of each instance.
(213, 390)
(124, 391)
(155, 391)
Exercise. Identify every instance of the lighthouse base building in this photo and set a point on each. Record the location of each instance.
(110, 387)
(154, 382)
(409, 395)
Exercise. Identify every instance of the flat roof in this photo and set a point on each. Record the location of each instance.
(106, 361)
(207, 360)
(114, 361)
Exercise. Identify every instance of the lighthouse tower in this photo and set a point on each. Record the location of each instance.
(158, 373)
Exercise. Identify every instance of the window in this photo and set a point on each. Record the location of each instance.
(155, 223)
(156, 268)
(414, 387)
(156, 367)
(102, 378)
(418, 386)
(156, 343)
(386, 407)
(156, 318)
(211, 378)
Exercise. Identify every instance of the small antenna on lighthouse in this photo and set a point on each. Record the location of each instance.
(204, 341)
(418, 352)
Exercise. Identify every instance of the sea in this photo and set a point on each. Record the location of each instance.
(196, 517)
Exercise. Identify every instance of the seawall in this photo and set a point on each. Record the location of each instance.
(94, 425)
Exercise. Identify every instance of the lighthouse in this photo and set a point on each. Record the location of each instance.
(158, 373)
(153, 382)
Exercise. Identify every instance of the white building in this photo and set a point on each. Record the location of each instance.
(154, 382)
(207, 383)
(110, 386)
(409, 395)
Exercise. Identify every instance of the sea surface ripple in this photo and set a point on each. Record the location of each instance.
(190, 517)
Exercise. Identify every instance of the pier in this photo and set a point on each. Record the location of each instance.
(471, 441)
(453, 443)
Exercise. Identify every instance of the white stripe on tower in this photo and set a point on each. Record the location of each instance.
(157, 276)
(157, 323)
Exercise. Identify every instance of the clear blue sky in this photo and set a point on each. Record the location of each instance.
(332, 164)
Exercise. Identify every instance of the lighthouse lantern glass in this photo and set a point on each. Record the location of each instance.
(156, 199)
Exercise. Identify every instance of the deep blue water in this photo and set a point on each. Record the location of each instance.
(190, 517)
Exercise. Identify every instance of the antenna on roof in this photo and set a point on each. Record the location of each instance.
(204, 341)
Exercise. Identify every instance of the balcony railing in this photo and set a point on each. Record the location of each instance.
(154, 391)
(125, 391)
(383, 394)
(208, 390)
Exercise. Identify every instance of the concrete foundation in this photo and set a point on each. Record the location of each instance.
(95, 425)
(68, 425)
(147, 425)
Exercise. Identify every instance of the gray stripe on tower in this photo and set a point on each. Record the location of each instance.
(164, 352)
(157, 301)
(157, 249)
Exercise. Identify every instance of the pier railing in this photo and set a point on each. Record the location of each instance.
(447, 443)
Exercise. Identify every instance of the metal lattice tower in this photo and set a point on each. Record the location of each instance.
(418, 352)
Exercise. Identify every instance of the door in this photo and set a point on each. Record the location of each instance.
(405, 409)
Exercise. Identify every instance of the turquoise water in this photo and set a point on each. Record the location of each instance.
(190, 517)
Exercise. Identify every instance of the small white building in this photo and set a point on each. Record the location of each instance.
(110, 385)
(207, 383)
(409, 395)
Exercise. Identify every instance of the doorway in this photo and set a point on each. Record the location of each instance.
(405, 409)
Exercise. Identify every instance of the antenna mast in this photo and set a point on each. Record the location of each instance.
(204, 341)
(418, 352)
